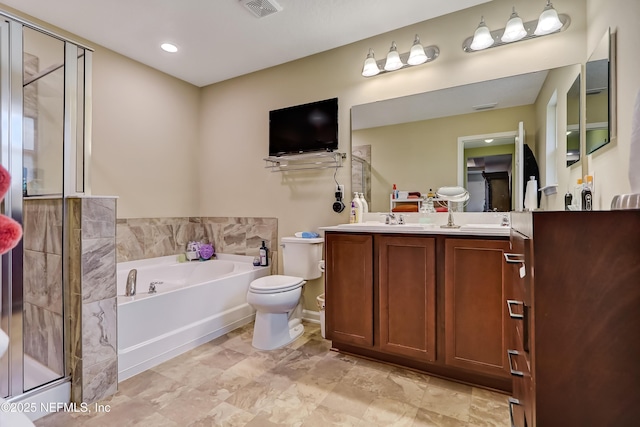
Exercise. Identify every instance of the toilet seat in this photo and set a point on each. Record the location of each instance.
(275, 284)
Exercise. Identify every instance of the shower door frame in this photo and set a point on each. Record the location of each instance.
(11, 157)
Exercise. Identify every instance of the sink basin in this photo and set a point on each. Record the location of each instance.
(379, 226)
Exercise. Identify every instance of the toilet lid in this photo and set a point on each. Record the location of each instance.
(275, 283)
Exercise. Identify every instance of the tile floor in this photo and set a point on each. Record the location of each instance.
(227, 382)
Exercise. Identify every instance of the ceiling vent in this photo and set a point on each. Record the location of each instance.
(262, 8)
(485, 106)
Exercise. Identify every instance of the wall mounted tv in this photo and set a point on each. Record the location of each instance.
(304, 128)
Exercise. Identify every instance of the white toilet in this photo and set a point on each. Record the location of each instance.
(277, 298)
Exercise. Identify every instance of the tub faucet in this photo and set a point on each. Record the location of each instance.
(152, 287)
(130, 290)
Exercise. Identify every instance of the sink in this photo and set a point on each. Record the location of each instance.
(488, 229)
(380, 226)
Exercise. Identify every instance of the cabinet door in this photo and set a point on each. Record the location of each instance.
(476, 315)
(349, 288)
(407, 295)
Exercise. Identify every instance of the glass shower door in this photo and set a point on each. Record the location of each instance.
(42, 191)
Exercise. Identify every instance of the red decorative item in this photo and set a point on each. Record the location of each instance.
(10, 230)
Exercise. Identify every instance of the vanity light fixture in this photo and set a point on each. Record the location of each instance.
(396, 61)
(549, 22)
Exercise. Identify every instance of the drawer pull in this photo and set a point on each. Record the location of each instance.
(513, 315)
(512, 401)
(514, 258)
(513, 371)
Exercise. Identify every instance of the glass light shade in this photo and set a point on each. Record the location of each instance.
(393, 59)
(514, 30)
(548, 21)
(482, 38)
(416, 54)
(370, 67)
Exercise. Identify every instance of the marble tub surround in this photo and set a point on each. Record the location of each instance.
(228, 382)
(142, 238)
(42, 282)
(92, 298)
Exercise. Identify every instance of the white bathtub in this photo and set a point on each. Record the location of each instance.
(195, 303)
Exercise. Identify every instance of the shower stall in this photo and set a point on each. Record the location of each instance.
(44, 131)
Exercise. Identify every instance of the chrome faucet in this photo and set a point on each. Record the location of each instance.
(505, 220)
(390, 219)
(152, 287)
(131, 283)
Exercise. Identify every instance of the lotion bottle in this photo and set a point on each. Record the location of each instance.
(364, 203)
(358, 204)
(264, 255)
(353, 214)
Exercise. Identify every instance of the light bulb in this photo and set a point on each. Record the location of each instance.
(514, 30)
(482, 38)
(417, 55)
(370, 67)
(393, 59)
(548, 21)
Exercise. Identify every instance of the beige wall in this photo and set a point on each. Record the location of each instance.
(610, 164)
(421, 155)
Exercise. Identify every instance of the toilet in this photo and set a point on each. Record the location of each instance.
(277, 298)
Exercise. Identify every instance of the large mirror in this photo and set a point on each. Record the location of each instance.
(599, 81)
(413, 141)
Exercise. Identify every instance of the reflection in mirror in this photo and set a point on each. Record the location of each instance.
(573, 122)
(598, 106)
(412, 141)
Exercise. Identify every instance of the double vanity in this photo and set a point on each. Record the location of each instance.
(422, 296)
(545, 309)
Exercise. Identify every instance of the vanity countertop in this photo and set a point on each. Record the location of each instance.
(471, 224)
(417, 228)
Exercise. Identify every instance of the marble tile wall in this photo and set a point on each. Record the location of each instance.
(42, 282)
(93, 356)
(142, 238)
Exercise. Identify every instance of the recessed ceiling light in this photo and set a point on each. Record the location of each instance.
(169, 47)
(488, 140)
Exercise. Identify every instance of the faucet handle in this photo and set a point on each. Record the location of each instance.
(400, 219)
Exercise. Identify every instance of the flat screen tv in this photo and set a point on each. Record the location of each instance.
(304, 128)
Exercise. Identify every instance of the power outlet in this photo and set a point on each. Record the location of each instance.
(340, 188)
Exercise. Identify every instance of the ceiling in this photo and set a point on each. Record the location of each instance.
(221, 39)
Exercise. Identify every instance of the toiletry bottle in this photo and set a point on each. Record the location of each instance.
(358, 204)
(587, 197)
(264, 255)
(352, 215)
(577, 195)
(568, 199)
(394, 191)
(365, 204)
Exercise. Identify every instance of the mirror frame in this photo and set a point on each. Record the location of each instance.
(605, 45)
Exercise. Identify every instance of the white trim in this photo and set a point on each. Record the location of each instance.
(311, 316)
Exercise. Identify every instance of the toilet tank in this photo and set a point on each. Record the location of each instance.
(300, 257)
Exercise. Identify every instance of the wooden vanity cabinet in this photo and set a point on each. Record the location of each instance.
(407, 296)
(475, 315)
(575, 351)
(428, 302)
(349, 271)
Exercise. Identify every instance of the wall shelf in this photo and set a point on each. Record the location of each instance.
(305, 161)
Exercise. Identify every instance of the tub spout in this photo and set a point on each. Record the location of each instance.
(131, 283)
